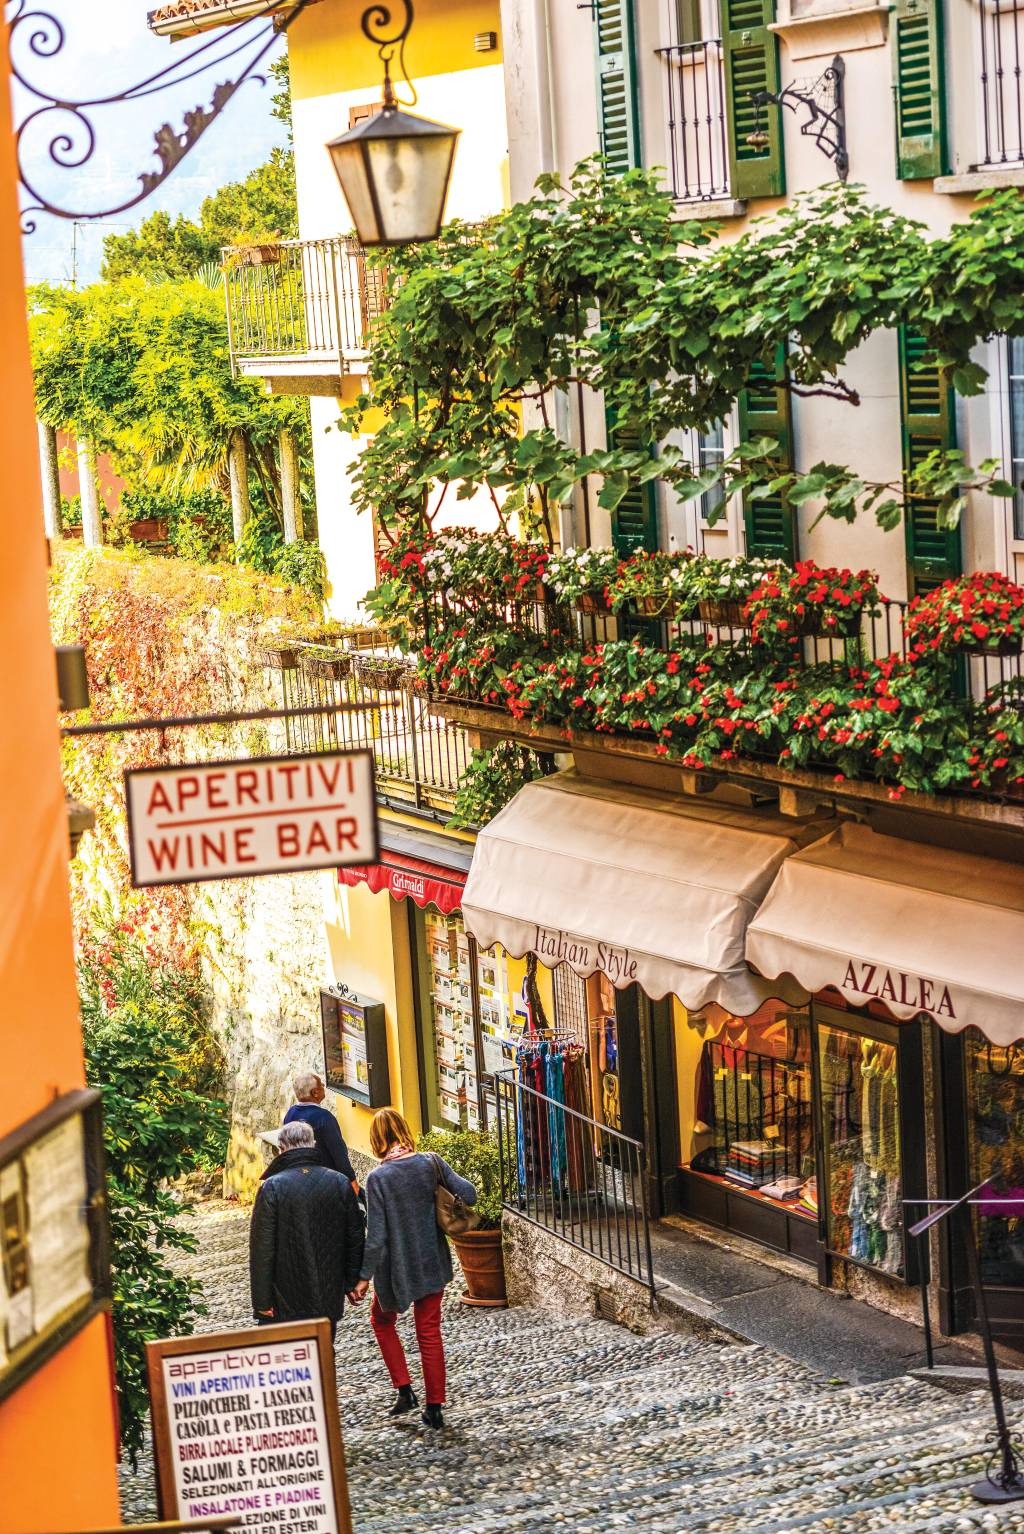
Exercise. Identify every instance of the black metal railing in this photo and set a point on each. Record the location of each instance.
(697, 126)
(311, 300)
(1001, 24)
(880, 635)
(574, 1177)
(419, 759)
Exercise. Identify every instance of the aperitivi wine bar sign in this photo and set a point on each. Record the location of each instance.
(236, 820)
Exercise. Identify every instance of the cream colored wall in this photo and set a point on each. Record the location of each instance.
(810, 33)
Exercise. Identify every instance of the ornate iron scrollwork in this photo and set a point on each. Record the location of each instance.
(73, 144)
(824, 100)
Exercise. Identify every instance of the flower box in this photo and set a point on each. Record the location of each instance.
(593, 602)
(1011, 644)
(813, 623)
(331, 666)
(278, 657)
(656, 607)
(379, 672)
(722, 614)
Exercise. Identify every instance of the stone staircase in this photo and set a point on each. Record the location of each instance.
(558, 1424)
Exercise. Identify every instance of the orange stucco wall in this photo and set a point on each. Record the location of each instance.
(57, 1444)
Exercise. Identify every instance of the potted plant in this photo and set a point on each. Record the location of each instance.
(652, 584)
(810, 599)
(473, 1153)
(722, 587)
(980, 614)
(324, 660)
(584, 576)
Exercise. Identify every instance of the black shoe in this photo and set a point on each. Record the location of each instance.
(404, 1401)
(432, 1417)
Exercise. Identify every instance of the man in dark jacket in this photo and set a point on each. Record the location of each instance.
(306, 1236)
(308, 1109)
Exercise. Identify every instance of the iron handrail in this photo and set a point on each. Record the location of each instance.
(592, 1196)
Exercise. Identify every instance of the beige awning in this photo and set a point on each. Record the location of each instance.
(646, 887)
(920, 928)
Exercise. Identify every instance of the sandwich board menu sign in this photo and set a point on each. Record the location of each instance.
(246, 1424)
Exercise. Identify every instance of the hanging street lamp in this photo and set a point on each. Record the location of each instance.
(394, 168)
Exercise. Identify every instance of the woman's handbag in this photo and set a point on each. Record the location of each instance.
(454, 1215)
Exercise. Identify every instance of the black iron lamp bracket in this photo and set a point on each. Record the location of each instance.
(68, 124)
(824, 99)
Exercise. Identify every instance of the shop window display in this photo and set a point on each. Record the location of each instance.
(861, 1132)
(995, 1124)
(753, 1111)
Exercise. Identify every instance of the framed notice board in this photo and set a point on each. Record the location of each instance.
(246, 1424)
(54, 1236)
(355, 1047)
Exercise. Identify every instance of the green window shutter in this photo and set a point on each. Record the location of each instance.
(635, 519)
(618, 112)
(917, 67)
(751, 65)
(764, 411)
(929, 422)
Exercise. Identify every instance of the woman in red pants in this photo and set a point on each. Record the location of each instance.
(408, 1258)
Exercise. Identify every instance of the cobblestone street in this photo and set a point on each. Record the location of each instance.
(587, 1427)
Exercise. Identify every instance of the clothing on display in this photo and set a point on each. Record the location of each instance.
(995, 1120)
(549, 1145)
(860, 1121)
(754, 1097)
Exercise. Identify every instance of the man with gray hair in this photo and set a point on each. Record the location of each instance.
(306, 1235)
(308, 1109)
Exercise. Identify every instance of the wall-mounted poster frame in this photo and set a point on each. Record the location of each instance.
(249, 1375)
(54, 1233)
(355, 1039)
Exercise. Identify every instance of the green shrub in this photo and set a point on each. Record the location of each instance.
(473, 1153)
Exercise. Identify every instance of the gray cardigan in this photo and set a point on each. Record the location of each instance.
(407, 1254)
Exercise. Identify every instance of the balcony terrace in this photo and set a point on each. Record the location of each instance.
(299, 312)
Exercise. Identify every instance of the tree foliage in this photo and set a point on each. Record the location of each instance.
(149, 1053)
(596, 285)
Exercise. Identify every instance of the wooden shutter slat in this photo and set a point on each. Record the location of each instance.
(751, 56)
(921, 150)
(764, 411)
(928, 419)
(617, 99)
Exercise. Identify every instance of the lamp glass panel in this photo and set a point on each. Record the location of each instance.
(350, 165)
(411, 179)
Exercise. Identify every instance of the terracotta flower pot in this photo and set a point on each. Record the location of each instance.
(482, 1266)
(592, 602)
(656, 607)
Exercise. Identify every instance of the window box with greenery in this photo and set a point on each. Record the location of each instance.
(473, 1154)
(584, 577)
(655, 585)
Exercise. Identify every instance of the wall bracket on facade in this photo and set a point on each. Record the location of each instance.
(824, 99)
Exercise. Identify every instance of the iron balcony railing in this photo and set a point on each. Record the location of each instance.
(307, 300)
(574, 1177)
(419, 759)
(697, 124)
(881, 636)
(1001, 24)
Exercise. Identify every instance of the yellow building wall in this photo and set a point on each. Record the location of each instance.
(329, 53)
(368, 936)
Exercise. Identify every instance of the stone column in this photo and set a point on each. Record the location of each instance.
(238, 469)
(50, 471)
(290, 501)
(92, 517)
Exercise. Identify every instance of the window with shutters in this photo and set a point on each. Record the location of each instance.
(1000, 64)
(720, 143)
(764, 411)
(617, 99)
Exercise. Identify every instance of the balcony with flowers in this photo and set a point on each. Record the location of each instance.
(803, 678)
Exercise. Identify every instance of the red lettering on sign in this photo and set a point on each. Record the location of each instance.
(213, 847)
(164, 853)
(158, 800)
(214, 792)
(287, 839)
(243, 845)
(245, 787)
